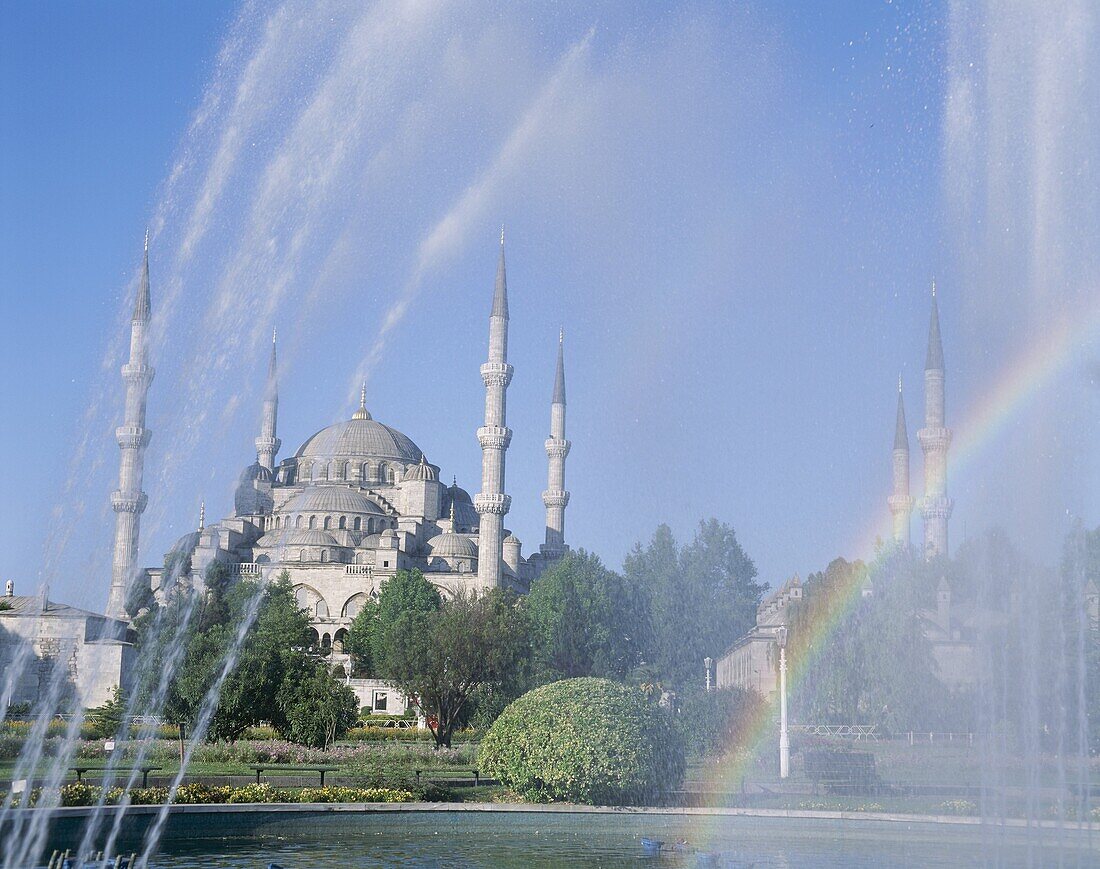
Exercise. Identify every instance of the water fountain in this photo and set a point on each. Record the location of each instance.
(309, 116)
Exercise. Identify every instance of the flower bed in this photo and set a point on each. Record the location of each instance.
(83, 794)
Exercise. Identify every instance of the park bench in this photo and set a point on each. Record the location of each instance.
(449, 775)
(145, 770)
(259, 769)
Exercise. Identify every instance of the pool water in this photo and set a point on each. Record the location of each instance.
(507, 839)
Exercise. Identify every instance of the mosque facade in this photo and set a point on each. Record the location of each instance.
(355, 503)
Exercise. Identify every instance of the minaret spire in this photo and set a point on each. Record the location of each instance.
(935, 439)
(555, 498)
(492, 503)
(202, 515)
(268, 443)
(901, 504)
(128, 500)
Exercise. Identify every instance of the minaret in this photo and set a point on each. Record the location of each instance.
(128, 501)
(557, 448)
(935, 438)
(267, 444)
(491, 503)
(901, 505)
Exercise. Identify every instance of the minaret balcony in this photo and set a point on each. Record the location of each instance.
(268, 445)
(139, 374)
(555, 498)
(900, 503)
(937, 507)
(128, 502)
(132, 437)
(492, 503)
(496, 373)
(557, 449)
(934, 438)
(494, 437)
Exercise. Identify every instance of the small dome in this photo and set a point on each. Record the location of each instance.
(512, 540)
(310, 538)
(421, 472)
(452, 546)
(465, 516)
(256, 472)
(331, 499)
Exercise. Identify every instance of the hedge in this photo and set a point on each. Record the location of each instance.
(584, 740)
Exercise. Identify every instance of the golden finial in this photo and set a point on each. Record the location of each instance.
(362, 413)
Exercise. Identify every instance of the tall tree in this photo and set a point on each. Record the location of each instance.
(701, 597)
(585, 620)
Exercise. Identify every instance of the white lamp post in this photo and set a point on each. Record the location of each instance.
(708, 662)
(784, 737)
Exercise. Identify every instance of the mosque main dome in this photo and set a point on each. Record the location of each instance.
(360, 438)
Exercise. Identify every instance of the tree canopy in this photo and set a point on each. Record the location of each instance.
(585, 620)
(701, 597)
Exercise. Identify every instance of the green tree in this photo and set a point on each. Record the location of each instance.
(701, 598)
(107, 718)
(585, 620)
(275, 646)
(407, 597)
(442, 657)
(315, 709)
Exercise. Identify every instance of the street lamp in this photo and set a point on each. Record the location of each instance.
(708, 662)
(784, 737)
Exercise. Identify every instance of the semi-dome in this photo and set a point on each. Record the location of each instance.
(187, 544)
(310, 538)
(452, 546)
(331, 499)
(363, 438)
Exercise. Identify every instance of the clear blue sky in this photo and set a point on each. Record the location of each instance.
(733, 209)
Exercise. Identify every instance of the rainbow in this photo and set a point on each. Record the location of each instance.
(1018, 385)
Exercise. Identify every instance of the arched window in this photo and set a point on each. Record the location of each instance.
(345, 469)
(326, 641)
(321, 609)
(312, 521)
(298, 521)
(343, 522)
(301, 555)
(354, 604)
(364, 472)
(324, 555)
(327, 523)
(389, 475)
(357, 524)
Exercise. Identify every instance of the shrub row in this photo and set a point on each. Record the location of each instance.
(392, 734)
(84, 794)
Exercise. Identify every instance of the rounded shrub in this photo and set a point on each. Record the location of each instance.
(586, 741)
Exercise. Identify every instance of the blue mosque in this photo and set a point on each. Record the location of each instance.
(358, 501)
